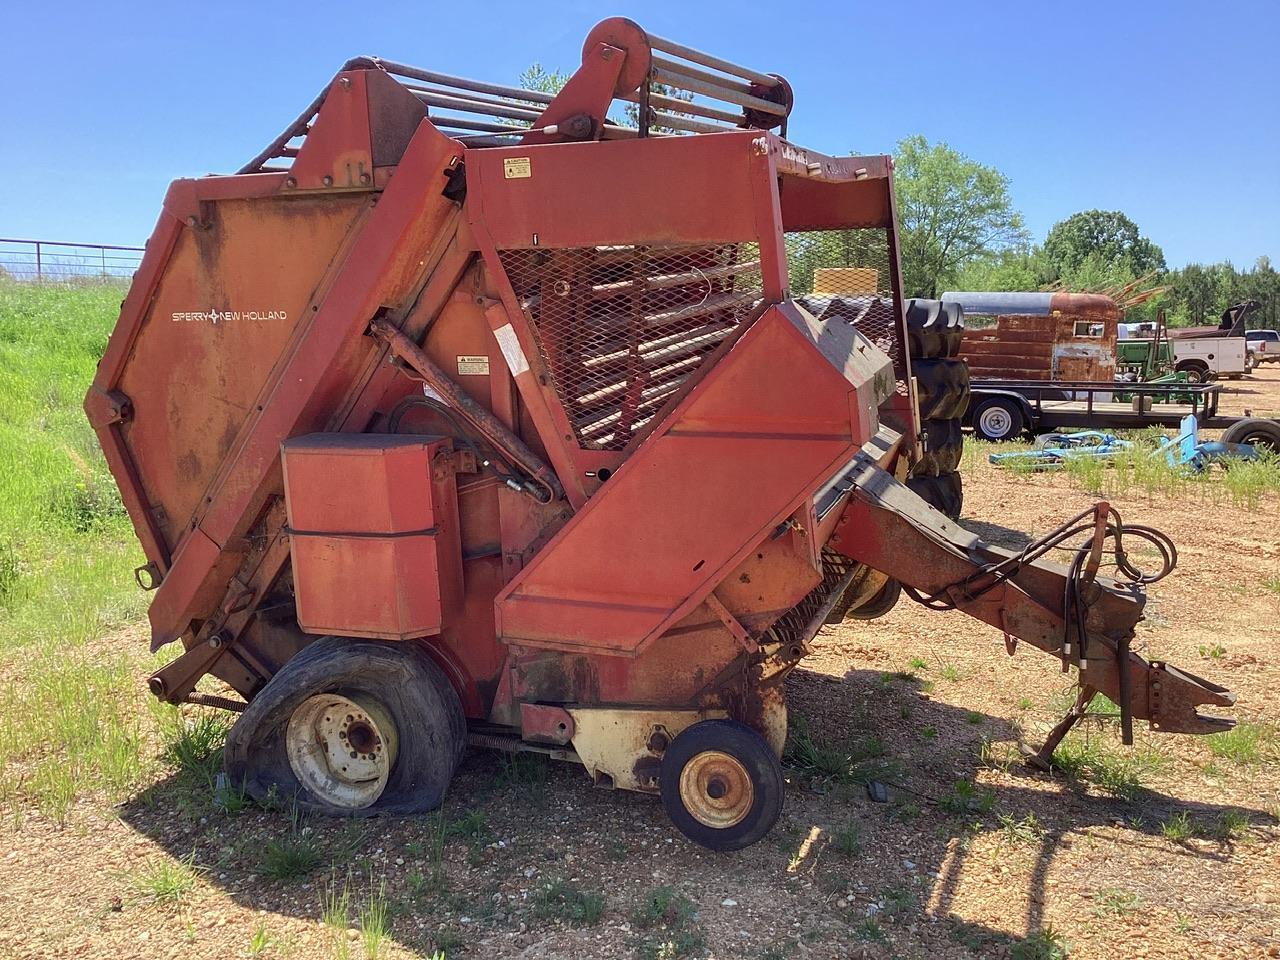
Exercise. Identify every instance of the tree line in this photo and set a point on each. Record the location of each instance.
(959, 230)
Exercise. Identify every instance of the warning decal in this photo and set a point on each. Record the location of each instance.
(473, 366)
(516, 168)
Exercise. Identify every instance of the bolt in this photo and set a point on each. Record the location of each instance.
(606, 53)
(658, 742)
(291, 183)
(327, 181)
(345, 83)
(365, 178)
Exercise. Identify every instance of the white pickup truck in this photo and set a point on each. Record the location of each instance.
(1264, 345)
(1206, 358)
(1201, 357)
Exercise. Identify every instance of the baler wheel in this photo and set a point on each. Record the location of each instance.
(884, 600)
(721, 784)
(351, 728)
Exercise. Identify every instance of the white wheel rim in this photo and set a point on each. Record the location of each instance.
(995, 421)
(341, 748)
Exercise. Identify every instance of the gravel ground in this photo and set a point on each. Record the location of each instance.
(971, 854)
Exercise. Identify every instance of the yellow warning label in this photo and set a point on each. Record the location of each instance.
(473, 366)
(516, 168)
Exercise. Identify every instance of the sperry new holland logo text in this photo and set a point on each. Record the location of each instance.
(215, 316)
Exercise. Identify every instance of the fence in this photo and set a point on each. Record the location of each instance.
(60, 261)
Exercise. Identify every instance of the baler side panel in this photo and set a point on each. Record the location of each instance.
(222, 314)
(766, 426)
(393, 245)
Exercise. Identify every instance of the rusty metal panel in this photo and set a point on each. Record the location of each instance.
(373, 534)
(766, 427)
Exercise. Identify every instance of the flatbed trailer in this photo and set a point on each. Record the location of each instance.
(1008, 409)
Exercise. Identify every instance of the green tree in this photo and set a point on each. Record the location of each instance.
(1105, 244)
(951, 211)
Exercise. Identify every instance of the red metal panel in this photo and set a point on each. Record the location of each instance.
(391, 248)
(765, 427)
(687, 190)
(374, 534)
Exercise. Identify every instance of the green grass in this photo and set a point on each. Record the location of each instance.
(1177, 828)
(1246, 743)
(1244, 483)
(1113, 902)
(167, 881)
(293, 855)
(666, 919)
(373, 920)
(563, 901)
(78, 723)
(1121, 772)
(840, 761)
(1046, 944)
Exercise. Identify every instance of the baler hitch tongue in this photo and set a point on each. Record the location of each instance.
(1084, 619)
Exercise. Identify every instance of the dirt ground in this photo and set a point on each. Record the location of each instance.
(940, 870)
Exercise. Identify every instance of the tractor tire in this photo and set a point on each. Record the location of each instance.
(1256, 431)
(721, 784)
(387, 705)
(942, 387)
(943, 447)
(934, 328)
(998, 419)
(944, 493)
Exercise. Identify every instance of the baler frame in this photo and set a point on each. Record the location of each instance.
(618, 305)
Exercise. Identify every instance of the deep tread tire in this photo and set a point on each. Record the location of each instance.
(884, 600)
(1257, 431)
(942, 387)
(943, 447)
(945, 493)
(749, 749)
(400, 678)
(934, 328)
(998, 419)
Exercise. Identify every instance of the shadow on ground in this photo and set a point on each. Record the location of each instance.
(848, 870)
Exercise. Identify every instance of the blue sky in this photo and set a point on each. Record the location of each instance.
(1167, 111)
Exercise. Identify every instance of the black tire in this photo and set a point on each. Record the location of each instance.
(934, 328)
(884, 600)
(1257, 431)
(406, 686)
(943, 447)
(752, 754)
(1196, 372)
(942, 387)
(998, 418)
(944, 493)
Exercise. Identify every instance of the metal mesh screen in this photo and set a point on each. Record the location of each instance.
(846, 274)
(622, 327)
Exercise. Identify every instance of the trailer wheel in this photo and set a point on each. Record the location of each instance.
(351, 728)
(1257, 431)
(998, 419)
(721, 784)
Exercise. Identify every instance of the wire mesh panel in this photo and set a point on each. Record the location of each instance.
(846, 274)
(622, 327)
